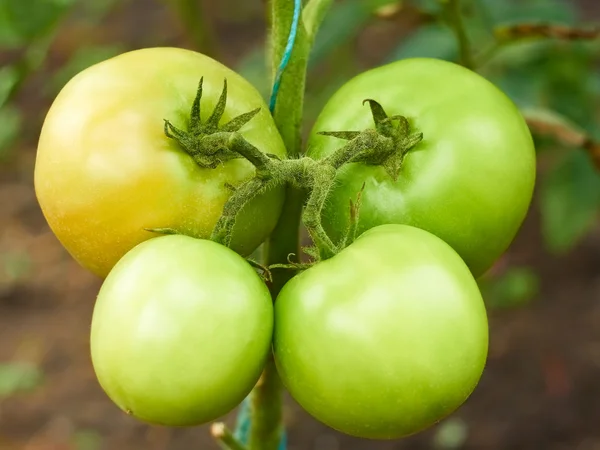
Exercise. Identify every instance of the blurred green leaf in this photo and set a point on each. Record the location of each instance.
(15, 265)
(254, 69)
(432, 40)
(87, 440)
(428, 6)
(10, 126)
(18, 377)
(97, 9)
(515, 287)
(342, 24)
(509, 11)
(82, 59)
(570, 198)
(22, 21)
(9, 77)
(451, 434)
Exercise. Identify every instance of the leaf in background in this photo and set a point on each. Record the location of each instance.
(10, 126)
(570, 198)
(18, 377)
(451, 434)
(254, 69)
(82, 59)
(9, 77)
(428, 6)
(568, 89)
(509, 11)
(22, 21)
(342, 24)
(97, 9)
(432, 40)
(87, 440)
(515, 287)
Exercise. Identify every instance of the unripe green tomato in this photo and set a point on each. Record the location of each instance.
(105, 170)
(469, 181)
(180, 331)
(384, 339)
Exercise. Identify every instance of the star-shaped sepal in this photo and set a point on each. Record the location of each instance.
(395, 140)
(206, 141)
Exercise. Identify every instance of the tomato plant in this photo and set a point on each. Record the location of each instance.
(180, 331)
(385, 338)
(105, 170)
(469, 181)
(414, 180)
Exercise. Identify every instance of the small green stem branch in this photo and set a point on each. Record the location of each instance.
(452, 9)
(225, 437)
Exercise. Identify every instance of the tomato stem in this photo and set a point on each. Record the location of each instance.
(385, 146)
(266, 410)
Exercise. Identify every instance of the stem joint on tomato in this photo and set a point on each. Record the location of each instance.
(211, 144)
(386, 146)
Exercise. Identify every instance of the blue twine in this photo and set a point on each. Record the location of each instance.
(242, 429)
(286, 54)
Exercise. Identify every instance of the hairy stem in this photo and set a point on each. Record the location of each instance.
(323, 183)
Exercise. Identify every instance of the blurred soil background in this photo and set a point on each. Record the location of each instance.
(541, 388)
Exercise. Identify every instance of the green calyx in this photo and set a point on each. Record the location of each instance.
(206, 142)
(210, 145)
(388, 153)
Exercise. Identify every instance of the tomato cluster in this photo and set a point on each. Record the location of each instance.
(379, 340)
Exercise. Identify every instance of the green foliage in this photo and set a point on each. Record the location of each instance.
(18, 377)
(10, 125)
(570, 199)
(86, 440)
(431, 41)
(511, 11)
(517, 286)
(451, 434)
(24, 21)
(82, 59)
(344, 22)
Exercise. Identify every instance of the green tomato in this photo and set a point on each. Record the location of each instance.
(180, 331)
(105, 170)
(470, 181)
(385, 338)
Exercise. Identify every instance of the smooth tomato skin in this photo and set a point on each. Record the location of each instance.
(384, 339)
(180, 331)
(470, 181)
(105, 170)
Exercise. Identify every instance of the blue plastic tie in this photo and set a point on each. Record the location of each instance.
(286, 54)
